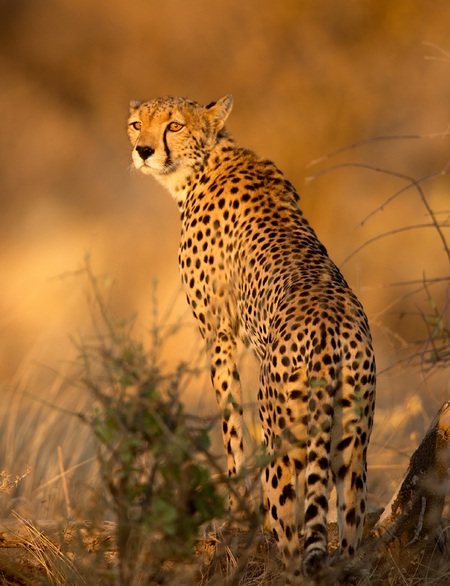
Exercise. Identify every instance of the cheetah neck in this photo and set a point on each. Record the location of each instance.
(184, 178)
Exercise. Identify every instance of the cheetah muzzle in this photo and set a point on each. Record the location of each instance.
(254, 269)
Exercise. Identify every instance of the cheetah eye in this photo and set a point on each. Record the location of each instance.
(136, 125)
(175, 126)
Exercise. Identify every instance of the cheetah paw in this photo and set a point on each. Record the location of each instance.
(314, 562)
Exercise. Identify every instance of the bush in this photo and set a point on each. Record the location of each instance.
(154, 457)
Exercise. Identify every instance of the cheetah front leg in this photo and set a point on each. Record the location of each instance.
(227, 386)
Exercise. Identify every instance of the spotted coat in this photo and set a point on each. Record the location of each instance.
(254, 269)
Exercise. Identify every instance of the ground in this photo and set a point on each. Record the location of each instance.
(77, 554)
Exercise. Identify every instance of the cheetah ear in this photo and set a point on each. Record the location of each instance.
(134, 104)
(219, 111)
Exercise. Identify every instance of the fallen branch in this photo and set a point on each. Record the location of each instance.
(414, 512)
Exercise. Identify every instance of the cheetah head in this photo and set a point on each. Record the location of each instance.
(171, 137)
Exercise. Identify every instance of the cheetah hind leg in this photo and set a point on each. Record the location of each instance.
(280, 499)
(351, 504)
(349, 469)
(317, 492)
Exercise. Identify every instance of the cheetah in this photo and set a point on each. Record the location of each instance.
(254, 269)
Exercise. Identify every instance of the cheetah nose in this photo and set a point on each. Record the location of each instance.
(145, 152)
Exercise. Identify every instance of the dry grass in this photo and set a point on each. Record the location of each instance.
(85, 555)
(50, 560)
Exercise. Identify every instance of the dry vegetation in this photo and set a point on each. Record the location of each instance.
(307, 80)
(163, 489)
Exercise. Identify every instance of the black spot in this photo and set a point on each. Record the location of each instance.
(287, 494)
(317, 367)
(323, 463)
(344, 443)
(311, 513)
(293, 378)
(298, 465)
(359, 484)
(313, 478)
(350, 517)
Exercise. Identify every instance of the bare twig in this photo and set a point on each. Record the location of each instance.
(375, 139)
(389, 233)
(64, 482)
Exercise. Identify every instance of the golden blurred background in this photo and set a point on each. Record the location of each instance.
(308, 78)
